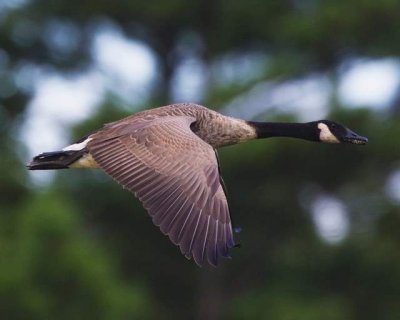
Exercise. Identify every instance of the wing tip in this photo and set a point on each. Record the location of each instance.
(209, 258)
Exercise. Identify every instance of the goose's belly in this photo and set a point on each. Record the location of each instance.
(85, 162)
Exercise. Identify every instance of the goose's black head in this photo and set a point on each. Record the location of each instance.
(333, 132)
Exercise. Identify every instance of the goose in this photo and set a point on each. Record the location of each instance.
(167, 158)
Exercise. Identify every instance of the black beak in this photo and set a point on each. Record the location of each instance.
(354, 138)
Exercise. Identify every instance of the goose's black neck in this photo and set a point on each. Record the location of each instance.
(305, 131)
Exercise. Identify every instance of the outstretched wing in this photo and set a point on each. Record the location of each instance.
(175, 175)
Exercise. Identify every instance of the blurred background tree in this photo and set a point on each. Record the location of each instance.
(320, 223)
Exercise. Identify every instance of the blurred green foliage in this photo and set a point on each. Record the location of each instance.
(82, 248)
(52, 268)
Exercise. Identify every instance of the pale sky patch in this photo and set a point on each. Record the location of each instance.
(189, 82)
(392, 187)
(12, 4)
(330, 218)
(370, 83)
(128, 66)
(307, 98)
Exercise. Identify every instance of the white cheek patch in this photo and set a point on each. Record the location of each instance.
(326, 135)
(77, 146)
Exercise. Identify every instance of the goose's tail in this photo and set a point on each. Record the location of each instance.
(55, 160)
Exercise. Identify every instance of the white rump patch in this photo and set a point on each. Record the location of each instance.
(326, 135)
(77, 146)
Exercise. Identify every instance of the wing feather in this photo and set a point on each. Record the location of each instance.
(176, 176)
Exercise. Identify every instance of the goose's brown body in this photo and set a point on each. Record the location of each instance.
(166, 157)
(214, 128)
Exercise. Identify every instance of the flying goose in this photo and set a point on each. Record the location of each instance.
(167, 157)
